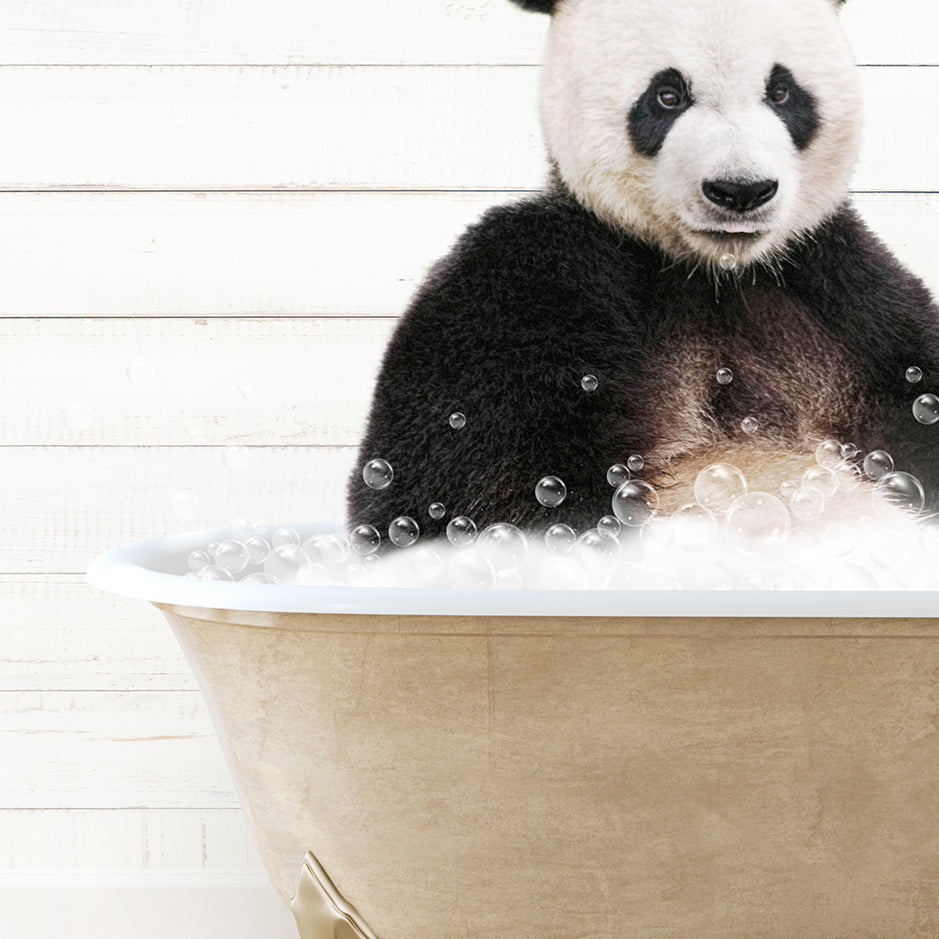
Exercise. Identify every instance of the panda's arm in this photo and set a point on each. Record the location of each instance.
(887, 319)
(503, 332)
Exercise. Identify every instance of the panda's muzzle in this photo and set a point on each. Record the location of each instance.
(739, 197)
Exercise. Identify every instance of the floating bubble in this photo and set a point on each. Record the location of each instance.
(788, 488)
(285, 536)
(589, 383)
(311, 574)
(635, 463)
(403, 531)
(914, 374)
(610, 525)
(436, 510)
(78, 415)
(356, 575)
(617, 474)
(185, 504)
(718, 485)
(232, 556)
(828, 453)
(757, 523)
(258, 548)
(877, 464)
(198, 560)
(508, 580)
(550, 491)
(256, 577)
(504, 546)
(597, 548)
(364, 539)
(727, 262)
(461, 531)
(214, 572)
(807, 504)
(849, 451)
(750, 425)
(847, 476)
(213, 547)
(560, 539)
(283, 564)
(695, 528)
(635, 503)
(898, 492)
(657, 538)
(241, 528)
(377, 474)
(235, 456)
(820, 478)
(426, 564)
(138, 370)
(926, 409)
(724, 376)
(457, 420)
(331, 549)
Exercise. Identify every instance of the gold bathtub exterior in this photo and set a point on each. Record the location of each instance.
(588, 778)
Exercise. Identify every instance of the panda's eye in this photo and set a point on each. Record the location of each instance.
(668, 97)
(779, 94)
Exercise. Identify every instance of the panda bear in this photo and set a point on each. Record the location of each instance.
(692, 286)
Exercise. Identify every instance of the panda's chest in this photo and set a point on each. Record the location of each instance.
(757, 367)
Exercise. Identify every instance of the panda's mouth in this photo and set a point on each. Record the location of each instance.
(726, 237)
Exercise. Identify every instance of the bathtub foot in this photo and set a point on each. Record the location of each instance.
(320, 910)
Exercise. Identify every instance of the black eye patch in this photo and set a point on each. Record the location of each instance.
(794, 106)
(665, 99)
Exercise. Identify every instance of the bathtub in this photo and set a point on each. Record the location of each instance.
(447, 764)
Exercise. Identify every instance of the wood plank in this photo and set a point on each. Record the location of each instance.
(276, 254)
(110, 750)
(207, 841)
(457, 32)
(59, 633)
(63, 505)
(161, 382)
(422, 127)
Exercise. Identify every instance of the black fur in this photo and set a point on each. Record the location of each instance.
(649, 120)
(539, 6)
(540, 293)
(798, 112)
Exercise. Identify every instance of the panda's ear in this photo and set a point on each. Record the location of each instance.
(539, 6)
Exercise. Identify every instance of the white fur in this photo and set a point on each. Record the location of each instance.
(601, 56)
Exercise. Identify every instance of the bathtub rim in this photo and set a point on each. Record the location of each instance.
(142, 570)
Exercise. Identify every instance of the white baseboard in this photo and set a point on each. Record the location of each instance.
(161, 905)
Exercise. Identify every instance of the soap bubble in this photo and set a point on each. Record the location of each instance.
(724, 376)
(828, 453)
(403, 531)
(849, 451)
(846, 475)
(78, 415)
(589, 383)
(310, 574)
(258, 548)
(285, 536)
(364, 539)
(508, 580)
(560, 539)
(212, 547)
(807, 504)
(214, 572)
(437, 510)
(550, 491)
(635, 463)
(232, 556)
(898, 491)
(596, 548)
(610, 525)
(426, 564)
(235, 456)
(718, 485)
(256, 577)
(467, 570)
(241, 528)
(332, 549)
(457, 420)
(914, 374)
(635, 503)
(503, 545)
(461, 531)
(695, 528)
(617, 474)
(198, 560)
(283, 564)
(878, 463)
(185, 504)
(750, 425)
(788, 488)
(757, 523)
(377, 474)
(926, 409)
(820, 478)
(727, 262)
(138, 370)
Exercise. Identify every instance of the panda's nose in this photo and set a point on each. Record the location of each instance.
(739, 197)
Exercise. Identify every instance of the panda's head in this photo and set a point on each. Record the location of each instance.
(706, 127)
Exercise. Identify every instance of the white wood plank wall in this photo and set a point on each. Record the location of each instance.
(210, 215)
